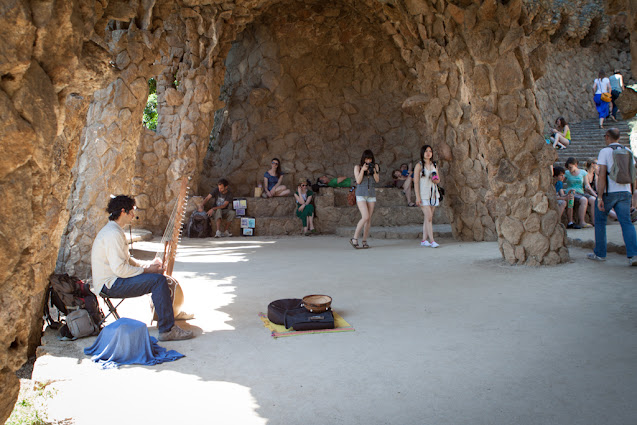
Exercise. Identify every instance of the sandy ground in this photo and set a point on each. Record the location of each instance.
(443, 336)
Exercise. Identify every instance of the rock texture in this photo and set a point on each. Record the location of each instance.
(389, 75)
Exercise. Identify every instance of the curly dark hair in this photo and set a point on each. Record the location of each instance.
(117, 203)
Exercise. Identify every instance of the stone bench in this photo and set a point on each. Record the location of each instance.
(276, 216)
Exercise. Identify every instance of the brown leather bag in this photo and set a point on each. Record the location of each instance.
(351, 196)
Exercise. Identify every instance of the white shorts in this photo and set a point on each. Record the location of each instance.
(365, 199)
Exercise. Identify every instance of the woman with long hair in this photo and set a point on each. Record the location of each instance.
(426, 179)
(561, 134)
(601, 85)
(272, 181)
(366, 175)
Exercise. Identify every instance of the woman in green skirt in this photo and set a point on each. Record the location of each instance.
(304, 207)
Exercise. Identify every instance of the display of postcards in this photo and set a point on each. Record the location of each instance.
(248, 232)
(247, 222)
(240, 211)
(239, 204)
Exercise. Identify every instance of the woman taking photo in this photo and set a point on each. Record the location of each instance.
(366, 175)
(272, 181)
(304, 207)
(426, 179)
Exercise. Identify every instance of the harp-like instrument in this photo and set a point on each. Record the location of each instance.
(172, 233)
(170, 241)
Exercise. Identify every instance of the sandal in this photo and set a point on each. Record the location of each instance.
(411, 204)
(354, 245)
(365, 246)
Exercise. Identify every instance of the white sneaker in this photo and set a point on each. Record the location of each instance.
(592, 256)
(425, 243)
(218, 234)
(434, 244)
(632, 261)
(227, 234)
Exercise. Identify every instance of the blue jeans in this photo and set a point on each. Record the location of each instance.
(620, 201)
(147, 283)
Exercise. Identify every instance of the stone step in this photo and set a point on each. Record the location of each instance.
(398, 232)
(332, 218)
(588, 139)
(138, 235)
(385, 197)
(327, 197)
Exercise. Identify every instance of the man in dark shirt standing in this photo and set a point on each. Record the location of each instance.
(222, 207)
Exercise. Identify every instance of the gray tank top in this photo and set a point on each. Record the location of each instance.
(614, 83)
(366, 188)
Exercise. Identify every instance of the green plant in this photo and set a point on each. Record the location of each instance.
(30, 407)
(150, 111)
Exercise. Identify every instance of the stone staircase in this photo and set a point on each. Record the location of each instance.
(392, 218)
(587, 139)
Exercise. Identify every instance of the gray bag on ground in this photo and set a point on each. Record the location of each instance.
(80, 324)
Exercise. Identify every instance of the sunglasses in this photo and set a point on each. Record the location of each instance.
(303, 185)
(275, 163)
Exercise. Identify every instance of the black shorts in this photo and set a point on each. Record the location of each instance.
(579, 196)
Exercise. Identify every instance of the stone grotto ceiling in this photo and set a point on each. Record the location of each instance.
(313, 84)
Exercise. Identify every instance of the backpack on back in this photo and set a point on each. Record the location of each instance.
(623, 169)
(72, 298)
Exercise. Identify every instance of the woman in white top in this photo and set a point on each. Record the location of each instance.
(601, 85)
(426, 179)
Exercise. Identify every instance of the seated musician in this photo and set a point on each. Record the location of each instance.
(222, 200)
(118, 275)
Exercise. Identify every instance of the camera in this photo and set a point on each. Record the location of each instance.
(434, 175)
(371, 167)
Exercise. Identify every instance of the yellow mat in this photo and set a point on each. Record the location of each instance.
(340, 325)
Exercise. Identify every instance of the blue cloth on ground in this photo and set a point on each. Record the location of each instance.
(127, 341)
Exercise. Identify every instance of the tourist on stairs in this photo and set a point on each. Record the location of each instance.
(561, 134)
(575, 182)
(601, 85)
(617, 87)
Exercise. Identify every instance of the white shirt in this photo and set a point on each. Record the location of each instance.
(110, 258)
(603, 86)
(606, 158)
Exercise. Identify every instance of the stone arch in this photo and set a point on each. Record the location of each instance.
(314, 84)
(470, 95)
(86, 64)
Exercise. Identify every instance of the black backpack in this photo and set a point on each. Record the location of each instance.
(199, 225)
(69, 294)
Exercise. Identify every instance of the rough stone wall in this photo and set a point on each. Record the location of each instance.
(313, 85)
(49, 69)
(473, 68)
(564, 84)
(187, 91)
